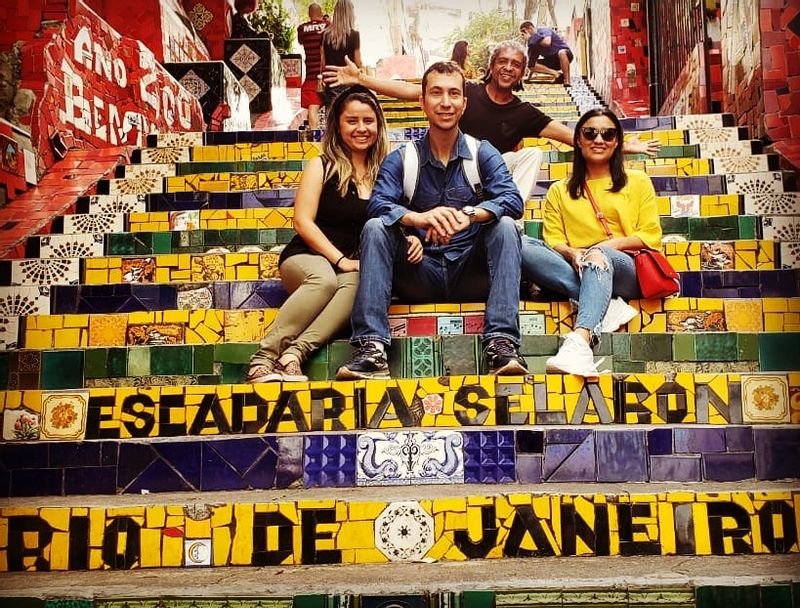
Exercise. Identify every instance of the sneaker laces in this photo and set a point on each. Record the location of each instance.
(368, 351)
(502, 347)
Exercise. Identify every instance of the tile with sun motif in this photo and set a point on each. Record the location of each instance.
(790, 254)
(24, 300)
(45, 272)
(94, 223)
(9, 333)
(765, 399)
(64, 415)
(785, 203)
(165, 155)
(780, 227)
(71, 246)
(762, 182)
(117, 203)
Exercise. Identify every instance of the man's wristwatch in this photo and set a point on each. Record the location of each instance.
(469, 211)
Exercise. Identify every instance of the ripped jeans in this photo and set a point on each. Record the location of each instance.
(593, 290)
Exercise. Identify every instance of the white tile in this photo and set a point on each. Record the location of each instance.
(738, 148)
(117, 203)
(20, 424)
(765, 399)
(698, 121)
(165, 155)
(94, 223)
(716, 135)
(404, 532)
(143, 184)
(22, 301)
(151, 170)
(180, 140)
(71, 246)
(197, 552)
(785, 203)
(64, 415)
(45, 272)
(790, 254)
(9, 333)
(770, 182)
(741, 164)
(685, 205)
(780, 227)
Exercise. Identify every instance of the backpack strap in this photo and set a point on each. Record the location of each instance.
(468, 165)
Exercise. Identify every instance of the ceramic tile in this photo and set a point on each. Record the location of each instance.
(45, 272)
(94, 223)
(71, 246)
(165, 155)
(714, 135)
(698, 121)
(780, 227)
(197, 552)
(23, 301)
(115, 203)
(765, 399)
(754, 183)
(64, 415)
(9, 333)
(742, 164)
(790, 254)
(687, 205)
(20, 424)
(785, 203)
(404, 532)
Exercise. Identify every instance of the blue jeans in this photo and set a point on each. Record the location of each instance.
(593, 290)
(487, 270)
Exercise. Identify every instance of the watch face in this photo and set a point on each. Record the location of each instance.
(469, 210)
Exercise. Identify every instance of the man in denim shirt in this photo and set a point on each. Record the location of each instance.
(471, 244)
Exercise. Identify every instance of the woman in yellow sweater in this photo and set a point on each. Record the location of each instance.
(584, 254)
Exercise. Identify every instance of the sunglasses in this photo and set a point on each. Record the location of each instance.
(608, 134)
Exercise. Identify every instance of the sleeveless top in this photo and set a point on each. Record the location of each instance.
(336, 56)
(339, 219)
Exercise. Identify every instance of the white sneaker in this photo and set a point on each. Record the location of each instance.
(618, 314)
(574, 357)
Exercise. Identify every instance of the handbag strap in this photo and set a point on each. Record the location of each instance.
(599, 214)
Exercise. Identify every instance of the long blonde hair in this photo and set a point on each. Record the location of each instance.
(336, 156)
(342, 23)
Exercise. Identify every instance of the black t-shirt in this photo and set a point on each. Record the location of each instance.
(336, 56)
(502, 125)
(339, 219)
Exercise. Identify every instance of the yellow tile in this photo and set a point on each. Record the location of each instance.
(775, 304)
(67, 338)
(38, 339)
(744, 315)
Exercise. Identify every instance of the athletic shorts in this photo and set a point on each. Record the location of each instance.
(553, 61)
(308, 94)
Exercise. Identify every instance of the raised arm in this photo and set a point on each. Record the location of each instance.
(349, 74)
(558, 131)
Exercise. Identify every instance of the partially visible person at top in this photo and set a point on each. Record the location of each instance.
(493, 112)
(584, 253)
(460, 55)
(319, 267)
(341, 42)
(547, 52)
(240, 26)
(309, 34)
(471, 244)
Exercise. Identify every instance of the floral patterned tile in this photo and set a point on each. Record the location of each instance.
(94, 223)
(45, 272)
(404, 532)
(64, 415)
(117, 203)
(765, 399)
(24, 300)
(71, 246)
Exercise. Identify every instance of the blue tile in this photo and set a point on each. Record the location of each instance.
(553, 436)
(568, 462)
(699, 440)
(90, 480)
(530, 442)
(739, 438)
(242, 453)
(218, 474)
(659, 442)
(675, 468)
(728, 467)
(5, 481)
(621, 456)
(25, 455)
(159, 477)
(489, 457)
(329, 460)
(262, 474)
(691, 284)
(777, 453)
(529, 468)
(36, 482)
(185, 457)
(133, 459)
(74, 454)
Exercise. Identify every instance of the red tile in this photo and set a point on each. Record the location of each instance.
(421, 326)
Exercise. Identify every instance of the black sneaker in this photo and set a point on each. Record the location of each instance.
(503, 358)
(368, 362)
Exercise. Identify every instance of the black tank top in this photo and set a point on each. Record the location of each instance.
(339, 219)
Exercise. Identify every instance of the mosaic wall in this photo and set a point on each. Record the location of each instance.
(454, 401)
(330, 531)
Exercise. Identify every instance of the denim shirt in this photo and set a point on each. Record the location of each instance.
(441, 185)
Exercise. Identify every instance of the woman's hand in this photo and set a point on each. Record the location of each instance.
(348, 265)
(573, 256)
(414, 249)
(335, 75)
(634, 145)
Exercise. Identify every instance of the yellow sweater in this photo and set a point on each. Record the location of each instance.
(630, 212)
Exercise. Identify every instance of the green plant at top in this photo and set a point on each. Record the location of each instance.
(270, 17)
(483, 32)
(302, 7)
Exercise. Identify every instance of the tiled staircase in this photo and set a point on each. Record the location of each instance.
(130, 442)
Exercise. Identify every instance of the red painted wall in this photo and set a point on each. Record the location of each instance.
(629, 86)
(212, 20)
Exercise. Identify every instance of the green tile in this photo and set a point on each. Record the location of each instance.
(143, 243)
(721, 228)
(203, 359)
(539, 345)
(21, 602)
(162, 242)
(683, 347)
(68, 603)
(651, 347)
(399, 363)
(779, 352)
(171, 360)
(459, 355)
(234, 373)
(96, 363)
(120, 244)
(715, 346)
(216, 238)
(776, 596)
(748, 227)
(62, 369)
(604, 347)
(747, 347)
(728, 597)
(309, 601)
(248, 236)
(478, 599)
(195, 238)
(533, 228)
(629, 367)
(339, 353)
(284, 235)
(675, 225)
(316, 368)
(117, 363)
(536, 365)
(139, 361)
(796, 595)
(234, 353)
(621, 346)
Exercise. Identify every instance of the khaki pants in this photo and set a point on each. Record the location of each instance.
(524, 165)
(319, 306)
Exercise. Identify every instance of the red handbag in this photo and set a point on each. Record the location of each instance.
(657, 278)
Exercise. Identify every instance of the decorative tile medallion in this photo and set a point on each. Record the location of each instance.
(250, 87)
(244, 58)
(410, 457)
(404, 532)
(765, 399)
(194, 84)
(790, 255)
(197, 552)
(64, 415)
(71, 246)
(20, 424)
(754, 183)
(21, 301)
(200, 16)
(94, 223)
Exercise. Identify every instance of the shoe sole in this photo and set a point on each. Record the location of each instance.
(287, 378)
(512, 368)
(554, 369)
(264, 379)
(344, 373)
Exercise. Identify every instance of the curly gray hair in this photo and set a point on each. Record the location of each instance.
(508, 44)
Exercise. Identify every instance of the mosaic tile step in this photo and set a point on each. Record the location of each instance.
(766, 594)
(164, 356)
(370, 527)
(673, 317)
(85, 265)
(456, 402)
(178, 202)
(786, 203)
(336, 460)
